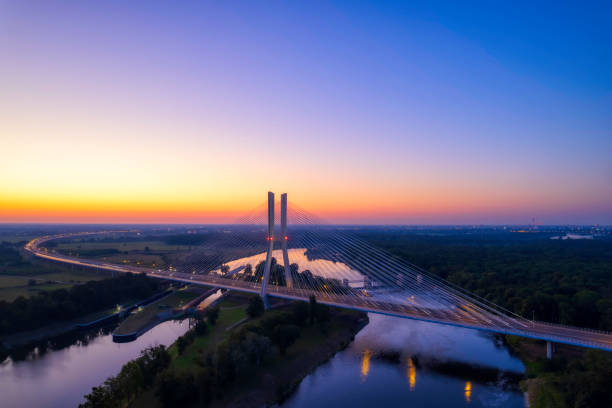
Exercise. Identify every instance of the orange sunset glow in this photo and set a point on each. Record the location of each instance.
(305, 204)
(97, 129)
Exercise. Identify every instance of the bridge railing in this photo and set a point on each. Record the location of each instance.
(573, 335)
(607, 333)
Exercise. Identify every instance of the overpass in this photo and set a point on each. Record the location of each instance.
(338, 270)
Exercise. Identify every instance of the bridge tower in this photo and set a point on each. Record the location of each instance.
(284, 239)
(550, 348)
(270, 239)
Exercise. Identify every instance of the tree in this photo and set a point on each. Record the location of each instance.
(323, 313)
(300, 313)
(134, 376)
(256, 347)
(256, 307)
(99, 397)
(201, 328)
(175, 389)
(181, 344)
(285, 335)
(152, 361)
(226, 371)
(129, 381)
(212, 314)
(64, 304)
(313, 308)
(248, 270)
(205, 381)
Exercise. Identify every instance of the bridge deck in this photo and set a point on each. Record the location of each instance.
(455, 317)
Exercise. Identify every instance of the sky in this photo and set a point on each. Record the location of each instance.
(363, 112)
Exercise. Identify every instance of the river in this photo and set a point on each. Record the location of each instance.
(61, 376)
(392, 362)
(398, 362)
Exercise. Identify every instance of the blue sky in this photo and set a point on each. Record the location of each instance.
(479, 112)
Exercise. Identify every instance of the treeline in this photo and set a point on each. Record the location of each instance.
(65, 304)
(560, 281)
(581, 381)
(134, 377)
(9, 256)
(217, 370)
(305, 279)
(92, 253)
(185, 239)
(241, 354)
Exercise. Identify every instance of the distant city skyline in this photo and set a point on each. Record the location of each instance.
(364, 113)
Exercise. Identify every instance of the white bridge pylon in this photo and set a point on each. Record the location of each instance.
(283, 238)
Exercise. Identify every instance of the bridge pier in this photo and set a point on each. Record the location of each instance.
(270, 238)
(284, 239)
(550, 348)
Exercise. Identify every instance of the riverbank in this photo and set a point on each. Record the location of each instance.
(280, 375)
(86, 322)
(54, 313)
(236, 362)
(573, 377)
(58, 372)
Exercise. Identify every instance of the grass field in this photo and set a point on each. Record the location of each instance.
(13, 286)
(153, 254)
(138, 259)
(15, 276)
(154, 246)
(217, 333)
(13, 281)
(15, 238)
(12, 293)
(259, 386)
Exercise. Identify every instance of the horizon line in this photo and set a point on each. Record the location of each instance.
(535, 227)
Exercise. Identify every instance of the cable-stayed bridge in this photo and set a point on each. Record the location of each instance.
(304, 257)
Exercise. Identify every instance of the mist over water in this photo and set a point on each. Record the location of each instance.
(401, 362)
(391, 362)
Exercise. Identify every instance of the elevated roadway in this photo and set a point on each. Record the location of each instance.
(461, 316)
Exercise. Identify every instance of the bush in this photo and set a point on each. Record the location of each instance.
(174, 389)
(256, 307)
(201, 328)
(300, 313)
(134, 376)
(285, 335)
(312, 309)
(181, 344)
(269, 323)
(212, 314)
(65, 304)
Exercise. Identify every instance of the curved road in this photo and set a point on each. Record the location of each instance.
(463, 316)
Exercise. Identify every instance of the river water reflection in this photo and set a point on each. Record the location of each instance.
(398, 362)
(60, 378)
(392, 362)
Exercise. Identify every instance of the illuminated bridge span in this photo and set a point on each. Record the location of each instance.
(304, 257)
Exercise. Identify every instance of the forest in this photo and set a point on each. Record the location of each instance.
(555, 280)
(66, 304)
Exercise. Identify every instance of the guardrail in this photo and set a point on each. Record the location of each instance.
(365, 304)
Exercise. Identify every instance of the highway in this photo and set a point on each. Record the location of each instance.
(462, 316)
